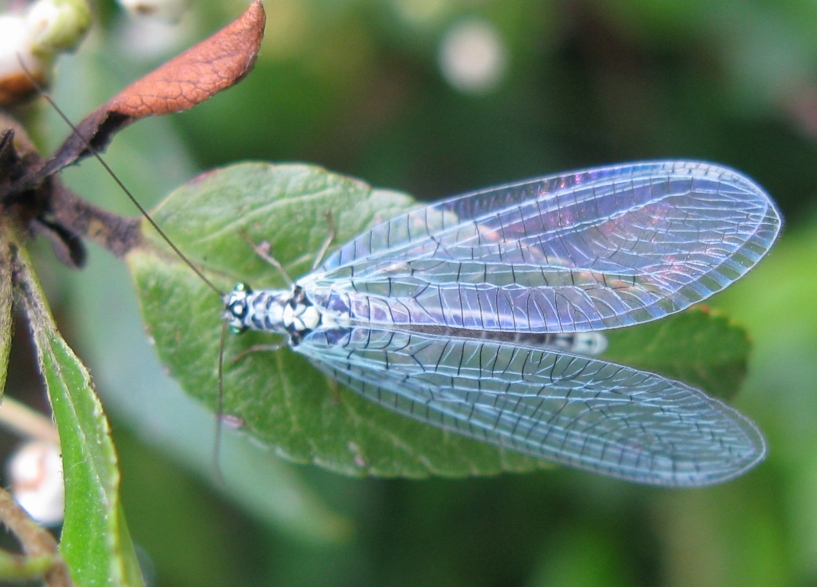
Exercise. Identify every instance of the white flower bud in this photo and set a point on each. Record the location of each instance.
(15, 46)
(36, 481)
(57, 25)
(35, 37)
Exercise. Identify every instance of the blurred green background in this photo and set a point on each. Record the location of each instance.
(436, 97)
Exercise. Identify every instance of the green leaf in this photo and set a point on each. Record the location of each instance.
(278, 396)
(95, 541)
(701, 347)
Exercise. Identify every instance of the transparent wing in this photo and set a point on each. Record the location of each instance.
(574, 410)
(596, 249)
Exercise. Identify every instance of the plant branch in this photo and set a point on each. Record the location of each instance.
(36, 541)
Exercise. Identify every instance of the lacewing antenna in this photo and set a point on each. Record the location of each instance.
(128, 193)
(182, 256)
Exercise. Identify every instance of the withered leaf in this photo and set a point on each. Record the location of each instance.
(213, 65)
(45, 207)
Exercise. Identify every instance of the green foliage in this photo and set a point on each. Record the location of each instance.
(700, 347)
(95, 540)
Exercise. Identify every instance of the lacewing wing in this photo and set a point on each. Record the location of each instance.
(473, 315)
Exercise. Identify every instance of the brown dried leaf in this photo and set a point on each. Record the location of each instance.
(197, 74)
(194, 76)
(44, 206)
